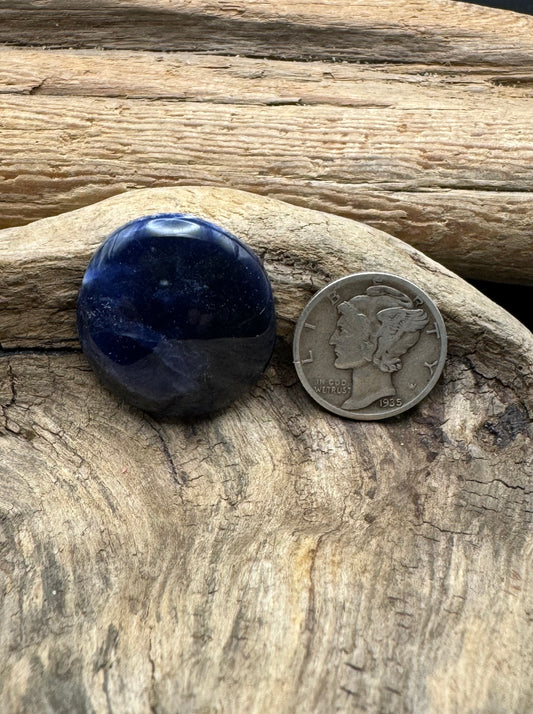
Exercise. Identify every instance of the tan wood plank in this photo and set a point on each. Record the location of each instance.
(442, 31)
(442, 159)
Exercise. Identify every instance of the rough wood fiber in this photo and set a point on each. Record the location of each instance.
(274, 557)
(443, 31)
(429, 140)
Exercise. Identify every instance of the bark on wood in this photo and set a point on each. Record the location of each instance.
(273, 557)
(441, 158)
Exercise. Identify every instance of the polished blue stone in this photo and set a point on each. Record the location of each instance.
(176, 315)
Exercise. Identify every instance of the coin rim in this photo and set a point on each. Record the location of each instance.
(369, 416)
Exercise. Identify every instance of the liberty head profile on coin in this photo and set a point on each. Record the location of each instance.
(372, 332)
(369, 346)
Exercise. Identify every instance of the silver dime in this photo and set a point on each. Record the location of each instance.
(369, 346)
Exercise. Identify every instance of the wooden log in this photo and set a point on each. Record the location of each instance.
(396, 31)
(272, 557)
(437, 156)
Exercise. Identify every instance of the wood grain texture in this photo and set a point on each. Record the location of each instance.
(397, 31)
(272, 557)
(441, 157)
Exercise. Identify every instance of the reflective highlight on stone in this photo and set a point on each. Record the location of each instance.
(176, 315)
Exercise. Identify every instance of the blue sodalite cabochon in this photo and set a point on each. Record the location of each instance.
(176, 315)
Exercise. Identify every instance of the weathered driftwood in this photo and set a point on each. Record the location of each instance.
(396, 31)
(273, 557)
(429, 140)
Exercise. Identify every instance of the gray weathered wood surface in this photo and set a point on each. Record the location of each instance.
(273, 557)
(413, 117)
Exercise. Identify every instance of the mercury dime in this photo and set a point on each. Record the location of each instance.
(369, 346)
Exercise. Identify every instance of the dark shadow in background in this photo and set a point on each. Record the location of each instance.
(525, 6)
(516, 299)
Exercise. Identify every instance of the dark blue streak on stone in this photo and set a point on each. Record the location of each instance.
(176, 315)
